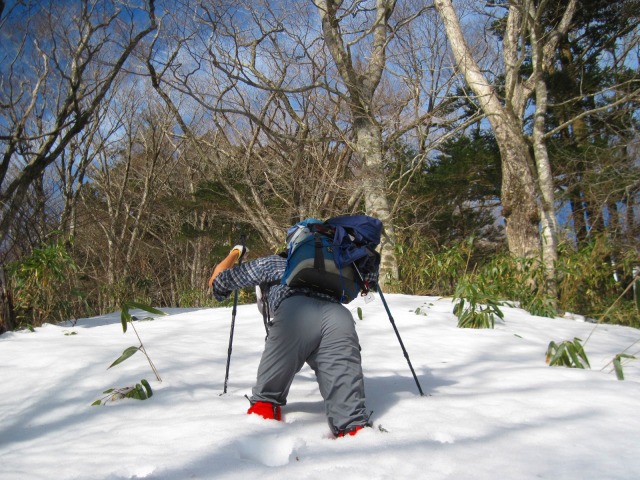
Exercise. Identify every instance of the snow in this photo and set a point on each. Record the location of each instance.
(492, 407)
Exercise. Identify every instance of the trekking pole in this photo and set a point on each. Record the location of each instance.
(404, 350)
(233, 321)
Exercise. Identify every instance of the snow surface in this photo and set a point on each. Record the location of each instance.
(492, 407)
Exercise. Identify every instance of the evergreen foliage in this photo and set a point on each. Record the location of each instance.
(588, 282)
(44, 286)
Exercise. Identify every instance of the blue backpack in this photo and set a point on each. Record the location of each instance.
(333, 257)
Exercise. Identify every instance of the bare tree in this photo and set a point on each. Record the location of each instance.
(59, 62)
(281, 84)
(252, 86)
(131, 172)
(418, 100)
(361, 75)
(71, 166)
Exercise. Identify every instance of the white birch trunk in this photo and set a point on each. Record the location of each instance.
(368, 145)
(361, 84)
(543, 53)
(518, 192)
(548, 219)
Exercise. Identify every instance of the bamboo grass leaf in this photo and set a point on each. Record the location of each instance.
(126, 354)
(580, 351)
(574, 357)
(124, 317)
(146, 308)
(558, 353)
(617, 365)
(147, 387)
(141, 394)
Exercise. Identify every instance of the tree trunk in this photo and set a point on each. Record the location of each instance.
(369, 147)
(548, 220)
(361, 79)
(519, 206)
(7, 313)
(578, 207)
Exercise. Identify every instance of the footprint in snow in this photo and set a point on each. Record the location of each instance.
(269, 450)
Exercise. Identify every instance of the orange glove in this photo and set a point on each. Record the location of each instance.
(235, 253)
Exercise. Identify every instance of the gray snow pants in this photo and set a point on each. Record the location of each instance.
(322, 334)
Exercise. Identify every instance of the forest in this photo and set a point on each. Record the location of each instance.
(496, 141)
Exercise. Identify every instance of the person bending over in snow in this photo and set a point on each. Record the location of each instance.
(307, 326)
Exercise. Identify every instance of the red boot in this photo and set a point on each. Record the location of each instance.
(266, 410)
(351, 432)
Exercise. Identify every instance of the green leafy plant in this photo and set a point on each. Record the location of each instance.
(43, 286)
(196, 297)
(140, 391)
(474, 307)
(127, 319)
(518, 279)
(617, 364)
(425, 270)
(567, 354)
(592, 278)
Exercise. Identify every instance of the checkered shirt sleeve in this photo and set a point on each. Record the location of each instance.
(249, 274)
